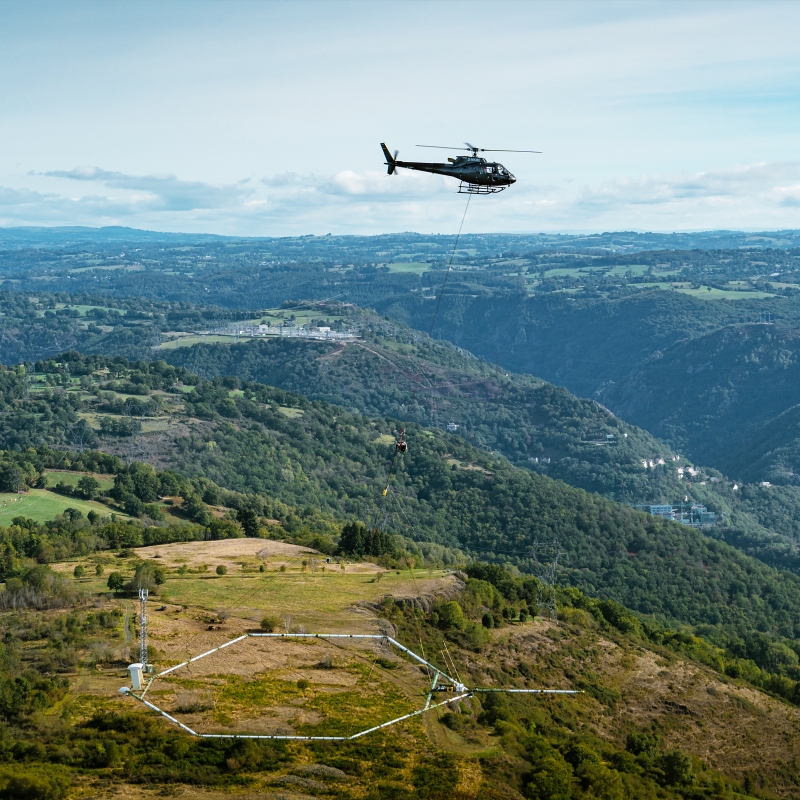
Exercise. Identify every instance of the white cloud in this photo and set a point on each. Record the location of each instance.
(163, 192)
(764, 195)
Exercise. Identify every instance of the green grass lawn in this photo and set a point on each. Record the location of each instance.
(42, 505)
(72, 478)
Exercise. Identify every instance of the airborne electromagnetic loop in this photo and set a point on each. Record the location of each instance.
(477, 175)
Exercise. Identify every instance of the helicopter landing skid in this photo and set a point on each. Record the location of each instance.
(474, 188)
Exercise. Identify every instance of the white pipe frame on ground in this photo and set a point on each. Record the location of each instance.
(459, 688)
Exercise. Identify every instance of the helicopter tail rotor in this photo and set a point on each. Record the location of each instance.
(390, 159)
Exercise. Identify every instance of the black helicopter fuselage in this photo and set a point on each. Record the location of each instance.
(471, 170)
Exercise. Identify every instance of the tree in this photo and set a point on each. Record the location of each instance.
(222, 569)
(11, 477)
(147, 576)
(78, 571)
(133, 506)
(249, 521)
(677, 767)
(116, 582)
(146, 484)
(98, 570)
(352, 539)
(88, 486)
(224, 529)
(195, 509)
(451, 616)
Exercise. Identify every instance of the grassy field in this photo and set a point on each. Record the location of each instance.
(308, 597)
(72, 478)
(42, 505)
(624, 269)
(709, 293)
(412, 266)
(188, 341)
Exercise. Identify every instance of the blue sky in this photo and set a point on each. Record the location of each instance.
(265, 118)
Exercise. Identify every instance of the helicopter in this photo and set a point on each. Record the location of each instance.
(477, 175)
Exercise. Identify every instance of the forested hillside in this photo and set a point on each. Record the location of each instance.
(402, 375)
(707, 395)
(578, 342)
(535, 425)
(318, 456)
(770, 453)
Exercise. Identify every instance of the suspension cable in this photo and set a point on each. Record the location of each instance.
(400, 446)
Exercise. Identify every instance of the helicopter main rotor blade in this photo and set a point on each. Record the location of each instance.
(439, 147)
(477, 149)
(491, 150)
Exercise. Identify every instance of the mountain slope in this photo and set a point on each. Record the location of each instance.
(580, 343)
(261, 439)
(399, 374)
(770, 453)
(707, 394)
(395, 373)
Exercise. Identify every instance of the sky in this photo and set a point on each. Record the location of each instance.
(265, 118)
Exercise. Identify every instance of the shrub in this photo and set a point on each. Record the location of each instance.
(270, 624)
(222, 569)
(641, 744)
(303, 684)
(38, 783)
(551, 780)
(98, 570)
(579, 753)
(78, 571)
(487, 620)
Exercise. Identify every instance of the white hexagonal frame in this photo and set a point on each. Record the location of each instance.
(459, 690)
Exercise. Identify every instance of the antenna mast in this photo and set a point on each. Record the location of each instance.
(143, 629)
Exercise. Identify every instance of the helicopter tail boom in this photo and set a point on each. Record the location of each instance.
(390, 160)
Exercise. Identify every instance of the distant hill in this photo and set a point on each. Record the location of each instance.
(621, 242)
(707, 394)
(581, 343)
